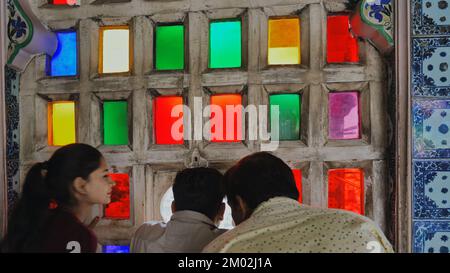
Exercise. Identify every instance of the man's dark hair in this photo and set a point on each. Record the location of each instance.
(258, 177)
(200, 190)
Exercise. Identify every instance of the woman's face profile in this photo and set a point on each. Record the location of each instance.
(99, 186)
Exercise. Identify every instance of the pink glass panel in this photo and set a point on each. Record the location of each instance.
(344, 117)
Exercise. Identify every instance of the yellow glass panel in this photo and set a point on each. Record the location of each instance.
(114, 50)
(63, 123)
(284, 41)
(284, 55)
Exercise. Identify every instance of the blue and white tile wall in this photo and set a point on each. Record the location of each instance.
(430, 90)
(12, 138)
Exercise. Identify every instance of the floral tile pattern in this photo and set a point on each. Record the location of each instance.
(430, 67)
(12, 131)
(431, 237)
(431, 198)
(430, 17)
(431, 135)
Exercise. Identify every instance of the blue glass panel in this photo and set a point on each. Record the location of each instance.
(64, 62)
(116, 249)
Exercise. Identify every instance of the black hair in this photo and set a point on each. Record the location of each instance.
(200, 190)
(47, 182)
(257, 178)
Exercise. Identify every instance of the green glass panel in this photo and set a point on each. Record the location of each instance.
(289, 120)
(170, 47)
(225, 44)
(115, 123)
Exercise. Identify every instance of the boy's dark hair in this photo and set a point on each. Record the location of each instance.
(200, 190)
(258, 177)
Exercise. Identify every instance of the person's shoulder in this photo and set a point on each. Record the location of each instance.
(343, 216)
(150, 229)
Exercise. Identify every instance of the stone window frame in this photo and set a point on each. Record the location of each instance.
(98, 98)
(166, 19)
(364, 91)
(300, 11)
(209, 91)
(117, 224)
(41, 113)
(149, 131)
(297, 89)
(43, 59)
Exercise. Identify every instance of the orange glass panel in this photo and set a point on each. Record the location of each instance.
(342, 47)
(163, 122)
(284, 41)
(346, 189)
(221, 131)
(298, 183)
(119, 208)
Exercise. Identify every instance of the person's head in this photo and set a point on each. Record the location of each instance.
(255, 179)
(75, 174)
(200, 190)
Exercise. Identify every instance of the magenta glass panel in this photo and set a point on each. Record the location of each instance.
(344, 117)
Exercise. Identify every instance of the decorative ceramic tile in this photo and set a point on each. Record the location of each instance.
(431, 136)
(12, 135)
(431, 237)
(431, 192)
(430, 67)
(430, 17)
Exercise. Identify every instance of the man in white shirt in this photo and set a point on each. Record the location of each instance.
(197, 211)
(263, 196)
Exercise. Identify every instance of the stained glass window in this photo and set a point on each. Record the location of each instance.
(289, 106)
(64, 61)
(170, 47)
(284, 41)
(342, 47)
(61, 123)
(344, 115)
(119, 208)
(115, 123)
(115, 52)
(346, 189)
(164, 122)
(225, 44)
(227, 128)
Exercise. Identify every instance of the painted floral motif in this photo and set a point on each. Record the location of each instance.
(427, 17)
(431, 198)
(431, 137)
(431, 236)
(12, 139)
(378, 14)
(20, 29)
(430, 67)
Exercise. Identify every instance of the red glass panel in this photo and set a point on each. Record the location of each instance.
(298, 183)
(64, 2)
(163, 122)
(119, 208)
(346, 189)
(220, 131)
(342, 47)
